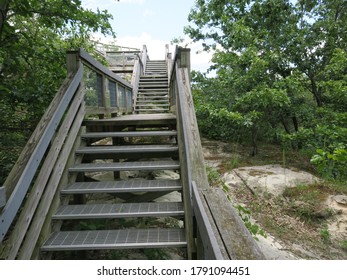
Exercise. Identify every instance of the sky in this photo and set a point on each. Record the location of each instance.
(153, 23)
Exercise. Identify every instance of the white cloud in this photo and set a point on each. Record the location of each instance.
(148, 13)
(155, 47)
(131, 1)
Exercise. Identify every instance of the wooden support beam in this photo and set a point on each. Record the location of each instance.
(234, 237)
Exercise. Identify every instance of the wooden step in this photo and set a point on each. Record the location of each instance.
(121, 134)
(154, 86)
(127, 149)
(157, 76)
(127, 186)
(125, 166)
(150, 98)
(156, 110)
(155, 72)
(130, 152)
(153, 107)
(156, 68)
(119, 210)
(115, 239)
(156, 101)
(154, 78)
(148, 92)
(154, 61)
(135, 119)
(151, 104)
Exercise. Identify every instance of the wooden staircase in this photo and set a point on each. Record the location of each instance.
(89, 188)
(110, 148)
(153, 92)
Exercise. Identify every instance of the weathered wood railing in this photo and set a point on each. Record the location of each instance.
(213, 228)
(139, 69)
(122, 61)
(113, 94)
(35, 180)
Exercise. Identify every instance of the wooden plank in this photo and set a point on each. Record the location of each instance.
(236, 238)
(211, 248)
(137, 72)
(189, 147)
(193, 145)
(33, 233)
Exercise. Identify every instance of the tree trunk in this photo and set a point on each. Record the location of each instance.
(316, 93)
(295, 123)
(286, 128)
(254, 140)
(4, 4)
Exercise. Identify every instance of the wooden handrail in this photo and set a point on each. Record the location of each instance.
(95, 65)
(211, 249)
(191, 158)
(138, 71)
(210, 215)
(21, 187)
(22, 175)
(118, 85)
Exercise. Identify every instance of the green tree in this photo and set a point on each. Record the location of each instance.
(34, 38)
(280, 64)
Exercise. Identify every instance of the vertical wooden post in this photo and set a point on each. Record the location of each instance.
(104, 92)
(184, 59)
(144, 58)
(72, 61)
(101, 91)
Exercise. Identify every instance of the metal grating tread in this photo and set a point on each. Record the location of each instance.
(145, 107)
(166, 100)
(154, 82)
(152, 110)
(135, 119)
(154, 78)
(150, 104)
(139, 133)
(123, 186)
(127, 149)
(115, 239)
(119, 210)
(126, 166)
(152, 97)
(153, 90)
(158, 76)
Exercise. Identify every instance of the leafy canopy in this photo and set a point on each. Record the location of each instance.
(34, 38)
(281, 71)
